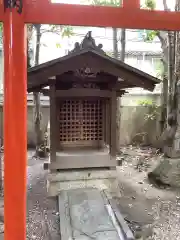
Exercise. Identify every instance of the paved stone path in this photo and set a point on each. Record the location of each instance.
(84, 216)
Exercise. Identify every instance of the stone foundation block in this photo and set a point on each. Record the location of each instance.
(76, 179)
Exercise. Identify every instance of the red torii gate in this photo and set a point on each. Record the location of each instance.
(14, 14)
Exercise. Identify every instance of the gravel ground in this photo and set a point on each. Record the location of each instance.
(152, 213)
(42, 212)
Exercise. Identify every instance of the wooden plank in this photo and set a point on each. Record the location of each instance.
(103, 79)
(113, 124)
(95, 61)
(41, 77)
(83, 145)
(82, 161)
(45, 12)
(46, 92)
(131, 4)
(53, 124)
(124, 84)
(107, 121)
(128, 73)
(58, 142)
(84, 92)
(2, 15)
(69, 77)
(104, 121)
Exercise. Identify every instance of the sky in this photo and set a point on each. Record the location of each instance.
(159, 3)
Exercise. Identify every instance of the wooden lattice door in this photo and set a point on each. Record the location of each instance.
(81, 122)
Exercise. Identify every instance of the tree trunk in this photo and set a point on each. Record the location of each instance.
(175, 103)
(123, 44)
(171, 62)
(38, 40)
(115, 43)
(122, 56)
(36, 95)
(167, 172)
(163, 37)
(164, 99)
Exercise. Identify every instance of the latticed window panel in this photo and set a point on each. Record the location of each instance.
(81, 120)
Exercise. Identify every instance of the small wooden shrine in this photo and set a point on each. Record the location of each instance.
(83, 89)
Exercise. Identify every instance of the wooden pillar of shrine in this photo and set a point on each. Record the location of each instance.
(53, 123)
(113, 109)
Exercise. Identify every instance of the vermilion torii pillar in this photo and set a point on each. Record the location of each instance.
(14, 14)
(15, 121)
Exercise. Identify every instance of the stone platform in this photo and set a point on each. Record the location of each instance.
(86, 214)
(101, 179)
(86, 209)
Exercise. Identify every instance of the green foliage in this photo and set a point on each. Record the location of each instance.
(105, 2)
(109, 53)
(153, 109)
(150, 4)
(1, 27)
(1, 32)
(146, 102)
(159, 69)
(62, 30)
(67, 31)
(149, 35)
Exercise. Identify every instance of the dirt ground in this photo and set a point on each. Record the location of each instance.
(152, 213)
(42, 212)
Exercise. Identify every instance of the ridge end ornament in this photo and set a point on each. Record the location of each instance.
(88, 42)
(18, 4)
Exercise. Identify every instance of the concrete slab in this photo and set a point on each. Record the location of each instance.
(101, 179)
(86, 214)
